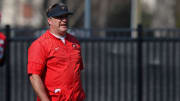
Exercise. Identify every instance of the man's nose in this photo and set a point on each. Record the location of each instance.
(64, 19)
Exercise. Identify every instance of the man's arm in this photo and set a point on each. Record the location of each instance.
(38, 86)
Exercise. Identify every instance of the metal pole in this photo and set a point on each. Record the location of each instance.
(135, 16)
(8, 69)
(133, 13)
(133, 23)
(87, 19)
(139, 63)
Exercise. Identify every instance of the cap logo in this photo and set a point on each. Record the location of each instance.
(63, 8)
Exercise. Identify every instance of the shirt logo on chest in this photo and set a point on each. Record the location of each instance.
(57, 90)
(56, 49)
(74, 45)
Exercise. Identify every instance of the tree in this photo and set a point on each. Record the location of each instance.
(164, 16)
(177, 13)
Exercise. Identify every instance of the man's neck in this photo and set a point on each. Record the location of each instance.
(61, 34)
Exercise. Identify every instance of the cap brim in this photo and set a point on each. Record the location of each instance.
(60, 14)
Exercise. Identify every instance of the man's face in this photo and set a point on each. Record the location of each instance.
(60, 24)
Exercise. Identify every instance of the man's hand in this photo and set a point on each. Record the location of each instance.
(39, 87)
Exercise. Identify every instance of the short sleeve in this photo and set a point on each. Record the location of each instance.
(36, 58)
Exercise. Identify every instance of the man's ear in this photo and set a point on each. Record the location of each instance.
(49, 21)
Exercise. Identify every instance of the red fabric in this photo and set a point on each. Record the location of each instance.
(59, 66)
(2, 36)
(2, 46)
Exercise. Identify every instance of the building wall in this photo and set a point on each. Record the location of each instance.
(21, 13)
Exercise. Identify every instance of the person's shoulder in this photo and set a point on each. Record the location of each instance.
(41, 40)
(72, 38)
(44, 36)
(35, 43)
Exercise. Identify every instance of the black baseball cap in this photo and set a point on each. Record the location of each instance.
(58, 10)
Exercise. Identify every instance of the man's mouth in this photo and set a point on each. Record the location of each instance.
(63, 24)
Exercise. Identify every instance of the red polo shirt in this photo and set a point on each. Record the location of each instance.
(59, 65)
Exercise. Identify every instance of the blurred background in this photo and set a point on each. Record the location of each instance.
(154, 13)
(130, 48)
(94, 14)
(102, 14)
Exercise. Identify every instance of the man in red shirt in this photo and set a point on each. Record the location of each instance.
(54, 60)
